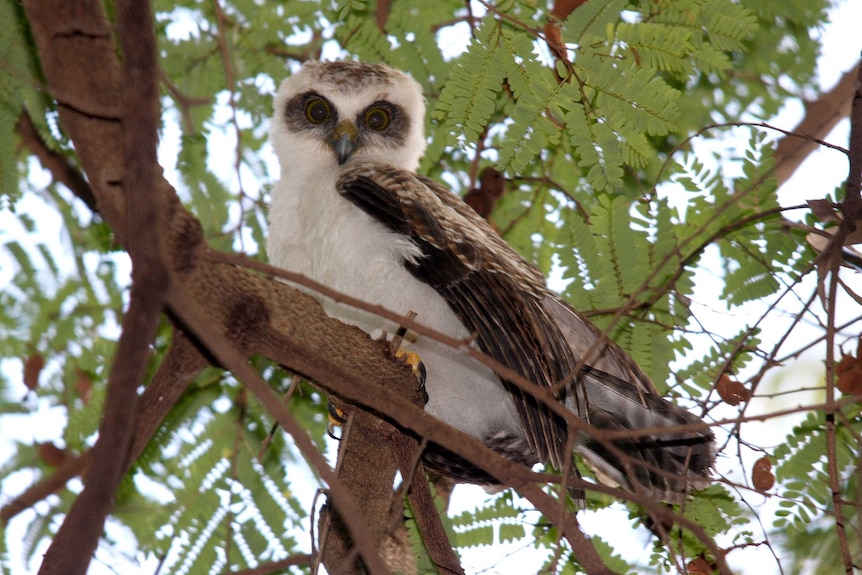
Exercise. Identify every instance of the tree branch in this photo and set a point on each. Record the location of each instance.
(821, 116)
(852, 207)
(78, 536)
(852, 211)
(434, 536)
(71, 467)
(363, 445)
(61, 170)
(182, 363)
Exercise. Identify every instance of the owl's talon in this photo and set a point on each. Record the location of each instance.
(415, 363)
(336, 418)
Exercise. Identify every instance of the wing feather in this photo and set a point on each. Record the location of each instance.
(494, 292)
(503, 301)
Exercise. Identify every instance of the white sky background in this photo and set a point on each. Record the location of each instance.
(822, 171)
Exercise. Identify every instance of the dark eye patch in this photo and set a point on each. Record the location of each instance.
(309, 111)
(385, 122)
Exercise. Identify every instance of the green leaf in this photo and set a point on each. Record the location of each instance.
(591, 19)
(467, 101)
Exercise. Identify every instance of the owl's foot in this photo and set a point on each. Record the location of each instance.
(412, 359)
(335, 419)
(415, 363)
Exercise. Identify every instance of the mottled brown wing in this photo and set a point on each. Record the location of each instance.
(515, 319)
(496, 294)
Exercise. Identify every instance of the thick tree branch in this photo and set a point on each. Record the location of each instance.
(182, 363)
(78, 536)
(78, 58)
(821, 116)
(363, 446)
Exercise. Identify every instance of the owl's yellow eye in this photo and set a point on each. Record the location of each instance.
(317, 111)
(377, 119)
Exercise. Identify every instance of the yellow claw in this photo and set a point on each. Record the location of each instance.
(415, 363)
(335, 418)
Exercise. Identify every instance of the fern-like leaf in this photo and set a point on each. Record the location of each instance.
(591, 20)
(467, 102)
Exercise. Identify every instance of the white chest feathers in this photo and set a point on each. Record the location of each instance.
(316, 233)
(321, 235)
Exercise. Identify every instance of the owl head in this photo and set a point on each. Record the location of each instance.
(331, 113)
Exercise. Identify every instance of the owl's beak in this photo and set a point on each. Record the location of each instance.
(344, 141)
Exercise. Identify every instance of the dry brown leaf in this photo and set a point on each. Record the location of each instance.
(84, 385)
(32, 368)
(699, 566)
(761, 474)
(824, 210)
(731, 391)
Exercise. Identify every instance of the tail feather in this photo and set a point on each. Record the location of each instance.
(612, 393)
(657, 457)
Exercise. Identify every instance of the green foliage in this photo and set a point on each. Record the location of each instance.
(802, 468)
(564, 562)
(18, 95)
(605, 194)
(717, 512)
(534, 90)
(617, 266)
(468, 99)
(608, 103)
(636, 257)
(225, 508)
(700, 375)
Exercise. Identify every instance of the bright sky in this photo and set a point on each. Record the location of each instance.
(822, 171)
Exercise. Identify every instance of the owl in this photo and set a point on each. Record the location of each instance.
(350, 212)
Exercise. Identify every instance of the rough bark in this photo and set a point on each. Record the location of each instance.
(358, 452)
